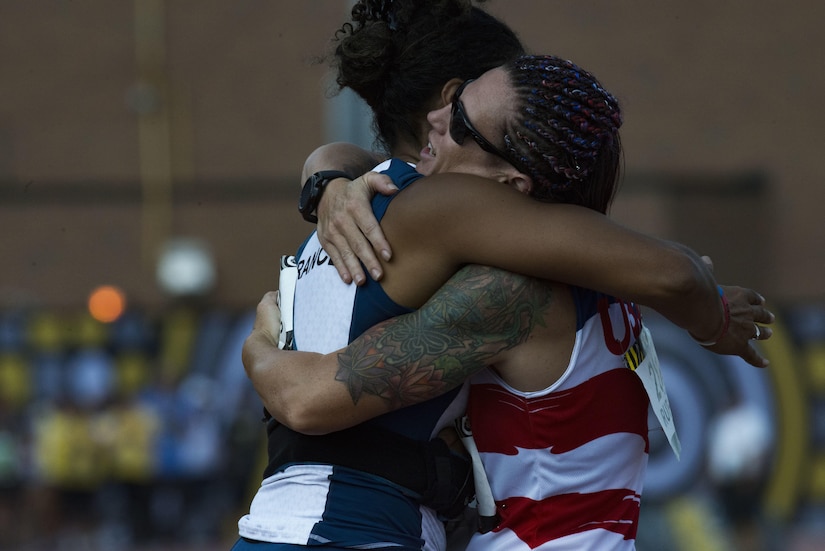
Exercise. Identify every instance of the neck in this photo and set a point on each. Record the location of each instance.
(407, 151)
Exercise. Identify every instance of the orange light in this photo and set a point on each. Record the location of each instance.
(107, 303)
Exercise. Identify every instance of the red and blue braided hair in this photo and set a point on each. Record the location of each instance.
(566, 133)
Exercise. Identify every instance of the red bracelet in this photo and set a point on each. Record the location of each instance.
(725, 321)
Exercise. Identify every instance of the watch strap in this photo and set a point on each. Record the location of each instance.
(313, 190)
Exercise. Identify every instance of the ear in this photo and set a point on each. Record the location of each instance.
(448, 90)
(521, 182)
(505, 173)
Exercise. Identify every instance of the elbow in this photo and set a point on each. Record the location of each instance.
(688, 275)
(309, 429)
(302, 415)
(248, 358)
(301, 420)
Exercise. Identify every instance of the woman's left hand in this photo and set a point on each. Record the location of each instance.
(748, 320)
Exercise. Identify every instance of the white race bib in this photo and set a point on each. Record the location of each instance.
(642, 359)
(286, 298)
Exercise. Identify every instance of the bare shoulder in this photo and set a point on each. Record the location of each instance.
(460, 193)
(453, 182)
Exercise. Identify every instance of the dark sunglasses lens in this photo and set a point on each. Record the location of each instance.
(458, 130)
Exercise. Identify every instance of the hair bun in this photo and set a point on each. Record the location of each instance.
(366, 11)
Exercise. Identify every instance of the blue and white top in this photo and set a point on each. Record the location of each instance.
(314, 504)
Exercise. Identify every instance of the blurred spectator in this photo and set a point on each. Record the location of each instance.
(739, 452)
(90, 379)
(10, 486)
(123, 435)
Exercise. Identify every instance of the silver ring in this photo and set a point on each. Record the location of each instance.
(758, 332)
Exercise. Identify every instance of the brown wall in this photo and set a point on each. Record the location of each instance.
(212, 107)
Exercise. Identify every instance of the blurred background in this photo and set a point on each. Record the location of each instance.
(150, 154)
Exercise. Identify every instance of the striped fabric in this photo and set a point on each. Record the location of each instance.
(566, 464)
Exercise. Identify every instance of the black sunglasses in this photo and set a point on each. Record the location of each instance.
(460, 126)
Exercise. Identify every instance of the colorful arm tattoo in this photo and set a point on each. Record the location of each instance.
(478, 313)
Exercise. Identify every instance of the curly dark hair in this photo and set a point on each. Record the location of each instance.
(398, 54)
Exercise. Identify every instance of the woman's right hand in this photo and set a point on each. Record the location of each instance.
(348, 229)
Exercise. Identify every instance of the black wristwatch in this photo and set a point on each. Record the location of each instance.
(313, 190)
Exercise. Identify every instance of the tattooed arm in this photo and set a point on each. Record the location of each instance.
(472, 321)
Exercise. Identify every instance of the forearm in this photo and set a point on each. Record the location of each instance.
(478, 315)
(567, 244)
(665, 276)
(298, 388)
(688, 295)
(262, 362)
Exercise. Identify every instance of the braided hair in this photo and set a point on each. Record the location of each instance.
(398, 54)
(566, 133)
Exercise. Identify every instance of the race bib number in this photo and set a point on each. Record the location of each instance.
(642, 359)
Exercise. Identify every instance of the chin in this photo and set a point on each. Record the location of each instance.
(425, 168)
